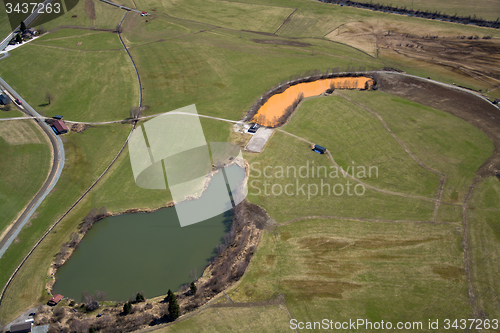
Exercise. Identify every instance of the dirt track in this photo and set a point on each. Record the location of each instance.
(469, 107)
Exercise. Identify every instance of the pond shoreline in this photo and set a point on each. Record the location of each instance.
(73, 245)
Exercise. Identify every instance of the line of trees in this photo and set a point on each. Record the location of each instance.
(431, 15)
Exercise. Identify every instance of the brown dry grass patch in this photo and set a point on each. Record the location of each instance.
(18, 133)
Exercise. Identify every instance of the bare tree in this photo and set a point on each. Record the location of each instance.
(119, 28)
(101, 296)
(134, 112)
(49, 97)
(103, 211)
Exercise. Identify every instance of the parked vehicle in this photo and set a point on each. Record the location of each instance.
(253, 128)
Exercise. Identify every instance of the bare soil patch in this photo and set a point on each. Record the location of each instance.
(359, 35)
(466, 55)
(90, 9)
(79, 128)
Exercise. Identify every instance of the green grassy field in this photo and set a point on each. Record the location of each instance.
(431, 135)
(341, 270)
(284, 151)
(484, 234)
(85, 85)
(210, 69)
(195, 52)
(12, 113)
(25, 164)
(357, 139)
(230, 15)
(5, 27)
(271, 318)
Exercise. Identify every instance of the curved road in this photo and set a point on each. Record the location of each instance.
(50, 182)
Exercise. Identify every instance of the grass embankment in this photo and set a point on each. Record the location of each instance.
(484, 243)
(25, 164)
(85, 85)
(87, 155)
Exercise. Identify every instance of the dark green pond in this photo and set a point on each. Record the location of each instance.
(126, 254)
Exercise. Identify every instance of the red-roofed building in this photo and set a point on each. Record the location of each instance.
(55, 299)
(60, 126)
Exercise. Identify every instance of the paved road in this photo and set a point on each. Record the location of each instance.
(48, 185)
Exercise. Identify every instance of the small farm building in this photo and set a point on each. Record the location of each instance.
(60, 126)
(55, 299)
(4, 100)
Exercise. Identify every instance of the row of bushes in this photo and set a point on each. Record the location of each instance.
(419, 13)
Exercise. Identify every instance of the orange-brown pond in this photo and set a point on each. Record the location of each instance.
(275, 107)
